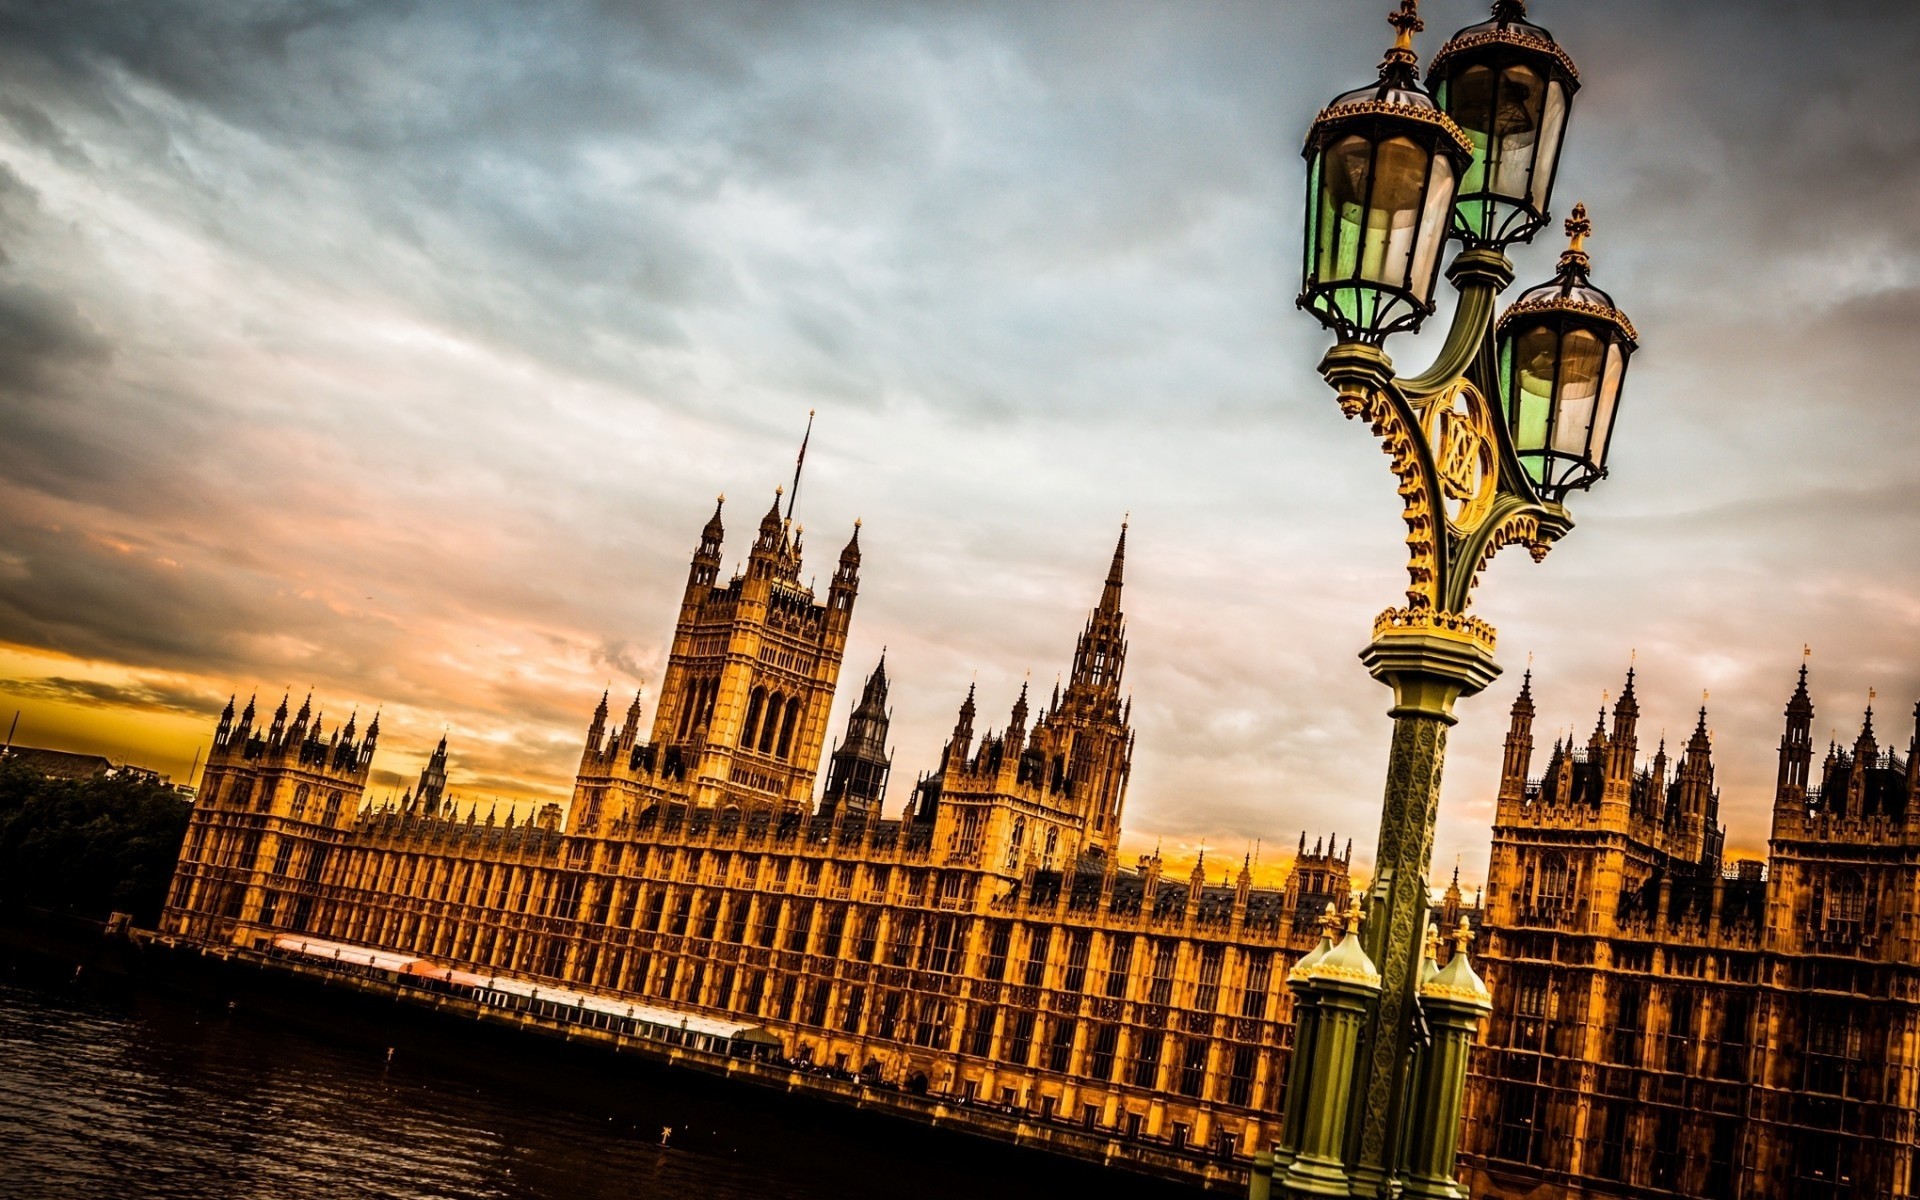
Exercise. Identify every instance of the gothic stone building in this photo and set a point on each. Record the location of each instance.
(1667, 1026)
(987, 946)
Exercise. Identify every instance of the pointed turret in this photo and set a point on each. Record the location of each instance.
(1017, 724)
(1865, 747)
(846, 578)
(1102, 652)
(597, 730)
(960, 746)
(1622, 744)
(432, 788)
(630, 728)
(1796, 746)
(705, 571)
(225, 728)
(857, 774)
(1518, 759)
(279, 722)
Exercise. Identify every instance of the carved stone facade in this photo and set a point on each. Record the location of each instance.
(988, 946)
(1667, 1024)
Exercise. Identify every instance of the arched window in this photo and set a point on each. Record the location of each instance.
(769, 728)
(299, 810)
(756, 705)
(786, 726)
(334, 800)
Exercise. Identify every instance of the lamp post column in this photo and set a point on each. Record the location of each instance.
(1428, 669)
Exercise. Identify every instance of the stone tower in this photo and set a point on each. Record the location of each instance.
(857, 776)
(748, 689)
(1044, 797)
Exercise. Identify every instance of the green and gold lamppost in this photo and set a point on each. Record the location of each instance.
(1486, 444)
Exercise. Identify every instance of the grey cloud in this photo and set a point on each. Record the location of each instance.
(418, 337)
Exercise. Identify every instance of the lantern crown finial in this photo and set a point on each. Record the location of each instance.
(1406, 22)
(1579, 227)
(1509, 10)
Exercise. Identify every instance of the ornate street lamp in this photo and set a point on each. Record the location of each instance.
(1509, 86)
(1486, 444)
(1563, 357)
(1383, 165)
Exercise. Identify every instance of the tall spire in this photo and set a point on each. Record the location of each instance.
(1116, 574)
(793, 497)
(1102, 652)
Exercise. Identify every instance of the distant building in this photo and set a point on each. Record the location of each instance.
(988, 946)
(58, 764)
(1665, 1025)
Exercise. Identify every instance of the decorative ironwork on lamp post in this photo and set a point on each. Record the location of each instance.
(1486, 445)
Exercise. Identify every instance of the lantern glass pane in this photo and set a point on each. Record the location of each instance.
(1393, 217)
(1532, 359)
(1469, 101)
(1609, 401)
(1581, 357)
(1343, 206)
(1553, 125)
(1433, 227)
(1516, 130)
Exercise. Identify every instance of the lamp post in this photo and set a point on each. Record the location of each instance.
(1486, 445)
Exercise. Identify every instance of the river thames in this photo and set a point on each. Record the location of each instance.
(120, 1090)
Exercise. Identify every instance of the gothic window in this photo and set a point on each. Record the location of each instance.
(834, 931)
(1038, 941)
(1556, 886)
(1193, 1067)
(299, 810)
(1105, 1039)
(1833, 1050)
(786, 727)
(1060, 1045)
(1147, 1044)
(998, 941)
(1520, 1135)
(980, 1030)
(755, 704)
(1206, 995)
(770, 727)
(1020, 1039)
(1119, 961)
(1078, 946)
(1053, 844)
(1735, 1012)
(1628, 1015)
(856, 1000)
(868, 941)
(1161, 990)
(1240, 1076)
(334, 800)
(1016, 842)
(1846, 905)
(1253, 997)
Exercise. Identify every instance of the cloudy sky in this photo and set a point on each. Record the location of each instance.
(398, 350)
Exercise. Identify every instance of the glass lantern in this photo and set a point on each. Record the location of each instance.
(1563, 349)
(1383, 166)
(1509, 86)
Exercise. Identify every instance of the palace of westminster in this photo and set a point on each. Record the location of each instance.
(1664, 1025)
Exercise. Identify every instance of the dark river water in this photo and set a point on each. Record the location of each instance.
(121, 1090)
